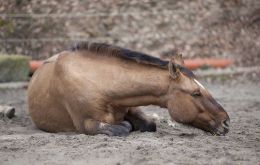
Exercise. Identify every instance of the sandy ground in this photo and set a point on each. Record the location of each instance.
(22, 143)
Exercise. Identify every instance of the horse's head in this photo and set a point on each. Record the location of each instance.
(190, 103)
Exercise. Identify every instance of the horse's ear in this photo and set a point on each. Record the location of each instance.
(177, 58)
(173, 69)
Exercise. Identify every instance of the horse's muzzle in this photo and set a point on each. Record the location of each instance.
(223, 128)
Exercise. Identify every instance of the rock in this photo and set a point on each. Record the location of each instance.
(7, 111)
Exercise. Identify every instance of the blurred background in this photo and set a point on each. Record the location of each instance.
(197, 28)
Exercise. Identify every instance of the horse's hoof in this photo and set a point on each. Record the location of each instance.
(119, 131)
(148, 127)
(122, 129)
(127, 124)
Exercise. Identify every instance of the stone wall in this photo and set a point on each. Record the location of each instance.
(205, 28)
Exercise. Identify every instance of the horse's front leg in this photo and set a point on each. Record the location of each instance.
(140, 121)
(93, 127)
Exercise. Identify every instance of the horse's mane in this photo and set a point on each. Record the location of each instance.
(115, 51)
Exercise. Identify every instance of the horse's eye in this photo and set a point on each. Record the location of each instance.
(196, 94)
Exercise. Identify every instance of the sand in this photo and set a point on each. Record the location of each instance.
(22, 143)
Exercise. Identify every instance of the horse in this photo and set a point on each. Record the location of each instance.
(96, 88)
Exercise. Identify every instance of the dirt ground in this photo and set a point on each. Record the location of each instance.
(22, 143)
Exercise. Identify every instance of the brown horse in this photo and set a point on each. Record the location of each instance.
(95, 89)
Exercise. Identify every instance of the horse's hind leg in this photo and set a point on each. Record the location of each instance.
(140, 121)
(93, 127)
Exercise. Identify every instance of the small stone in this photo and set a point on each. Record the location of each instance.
(7, 111)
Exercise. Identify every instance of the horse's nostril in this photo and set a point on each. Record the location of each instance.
(226, 123)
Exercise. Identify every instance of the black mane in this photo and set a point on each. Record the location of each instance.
(110, 50)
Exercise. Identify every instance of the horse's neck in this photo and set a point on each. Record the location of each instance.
(144, 85)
